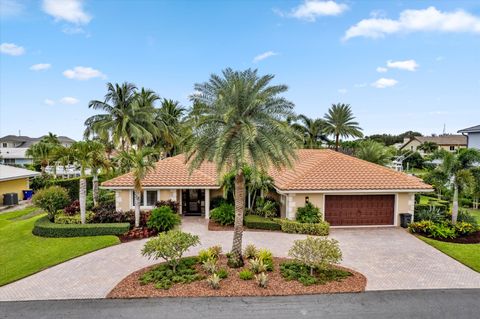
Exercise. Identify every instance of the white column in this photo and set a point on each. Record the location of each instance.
(207, 203)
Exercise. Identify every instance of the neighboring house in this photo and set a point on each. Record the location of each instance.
(449, 142)
(472, 135)
(349, 191)
(13, 148)
(14, 180)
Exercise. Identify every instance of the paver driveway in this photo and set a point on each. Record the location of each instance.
(390, 258)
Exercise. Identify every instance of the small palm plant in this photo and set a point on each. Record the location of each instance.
(340, 123)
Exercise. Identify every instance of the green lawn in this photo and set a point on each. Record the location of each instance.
(467, 254)
(23, 254)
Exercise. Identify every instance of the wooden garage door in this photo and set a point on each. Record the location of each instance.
(352, 210)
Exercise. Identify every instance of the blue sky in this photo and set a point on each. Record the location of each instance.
(402, 65)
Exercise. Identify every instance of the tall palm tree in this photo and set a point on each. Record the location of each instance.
(41, 153)
(143, 108)
(98, 161)
(83, 153)
(374, 152)
(457, 168)
(50, 139)
(141, 163)
(313, 130)
(340, 123)
(168, 120)
(123, 118)
(241, 120)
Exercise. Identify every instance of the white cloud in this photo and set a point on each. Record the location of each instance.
(429, 19)
(67, 10)
(408, 65)
(10, 8)
(311, 9)
(83, 73)
(384, 83)
(69, 100)
(264, 56)
(342, 91)
(381, 69)
(49, 102)
(40, 67)
(68, 29)
(11, 49)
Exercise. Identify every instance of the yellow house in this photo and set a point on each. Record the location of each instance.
(14, 180)
(449, 142)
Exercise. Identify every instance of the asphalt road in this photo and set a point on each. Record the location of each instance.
(436, 304)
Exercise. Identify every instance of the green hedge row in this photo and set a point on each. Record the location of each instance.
(259, 222)
(72, 185)
(294, 227)
(45, 228)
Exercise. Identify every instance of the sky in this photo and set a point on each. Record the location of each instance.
(401, 65)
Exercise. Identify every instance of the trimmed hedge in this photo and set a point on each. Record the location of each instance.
(45, 228)
(259, 222)
(294, 227)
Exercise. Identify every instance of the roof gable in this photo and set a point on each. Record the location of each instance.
(473, 129)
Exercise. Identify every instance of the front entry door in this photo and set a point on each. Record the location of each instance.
(193, 202)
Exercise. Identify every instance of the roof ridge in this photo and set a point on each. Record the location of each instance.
(177, 157)
(307, 171)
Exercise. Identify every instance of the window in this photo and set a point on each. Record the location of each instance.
(4, 145)
(133, 198)
(452, 148)
(151, 198)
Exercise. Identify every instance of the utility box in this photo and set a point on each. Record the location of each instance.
(405, 219)
(10, 199)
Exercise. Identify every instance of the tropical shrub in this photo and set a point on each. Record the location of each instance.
(259, 222)
(72, 209)
(464, 228)
(170, 203)
(308, 214)
(224, 214)
(294, 227)
(51, 200)
(217, 201)
(210, 265)
(163, 219)
(423, 226)
(214, 281)
(262, 279)
(164, 277)
(257, 266)
(435, 214)
(316, 252)
(443, 230)
(234, 261)
(465, 216)
(45, 228)
(292, 270)
(245, 274)
(250, 251)
(266, 257)
(170, 246)
(266, 208)
(222, 273)
(62, 218)
(105, 197)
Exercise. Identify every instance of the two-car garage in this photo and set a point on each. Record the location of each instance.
(359, 210)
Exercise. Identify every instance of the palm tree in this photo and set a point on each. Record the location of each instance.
(41, 153)
(50, 139)
(457, 168)
(98, 161)
(168, 121)
(340, 123)
(374, 152)
(241, 120)
(312, 131)
(141, 163)
(123, 118)
(83, 153)
(143, 108)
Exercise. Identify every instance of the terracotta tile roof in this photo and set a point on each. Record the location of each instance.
(172, 172)
(319, 170)
(329, 170)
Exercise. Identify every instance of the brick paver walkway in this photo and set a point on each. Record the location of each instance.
(390, 258)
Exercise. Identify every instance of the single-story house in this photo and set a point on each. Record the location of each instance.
(14, 180)
(448, 142)
(349, 191)
(472, 135)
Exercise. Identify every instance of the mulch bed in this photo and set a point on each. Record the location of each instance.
(470, 239)
(137, 233)
(214, 226)
(233, 286)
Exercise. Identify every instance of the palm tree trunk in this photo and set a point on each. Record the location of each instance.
(239, 211)
(137, 207)
(83, 197)
(95, 189)
(455, 204)
(337, 141)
